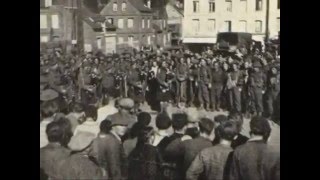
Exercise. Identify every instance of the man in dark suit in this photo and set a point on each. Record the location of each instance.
(52, 154)
(190, 148)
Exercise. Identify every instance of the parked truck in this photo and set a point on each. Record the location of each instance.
(230, 41)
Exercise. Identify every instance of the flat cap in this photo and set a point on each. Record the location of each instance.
(81, 141)
(126, 103)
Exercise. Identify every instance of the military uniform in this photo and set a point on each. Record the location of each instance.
(87, 88)
(108, 83)
(216, 89)
(234, 94)
(257, 86)
(204, 78)
(273, 90)
(182, 72)
(191, 87)
(163, 94)
(245, 98)
(61, 83)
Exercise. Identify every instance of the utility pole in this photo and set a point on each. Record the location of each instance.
(267, 20)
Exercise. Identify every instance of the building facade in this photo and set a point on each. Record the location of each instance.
(133, 21)
(203, 19)
(174, 10)
(60, 23)
(99, 35)
(51, 22)
(160, 22)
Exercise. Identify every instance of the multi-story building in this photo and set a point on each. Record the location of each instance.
(160, 22)
(98, 34)
(51, 21)
(174, 10)
(203, 19)
(60, 23)
(133, 21)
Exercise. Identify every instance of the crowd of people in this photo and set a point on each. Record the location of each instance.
(246, 82)
(125, 145)
(92, 125)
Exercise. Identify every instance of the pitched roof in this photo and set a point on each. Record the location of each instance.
(139, 5)
(95, 23)
(92, 24)
(93, 5)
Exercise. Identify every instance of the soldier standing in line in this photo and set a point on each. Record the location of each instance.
(182, 73)
(217, 86)
(108, 81)
(163, 94)
(204, 84)
(245, 97)
(273, 89)
(234, 89)
(191, 83)
(257, 87)
(224, 93)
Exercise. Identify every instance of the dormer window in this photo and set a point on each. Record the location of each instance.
(124, 6)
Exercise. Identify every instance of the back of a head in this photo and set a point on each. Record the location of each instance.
(91, 112)
(206, 125)
(163, 121)
(260, 126)
(179, 120)
(105, 126)
(238, 119)
(220, 118)
(227, 130)
(78, 107)
(145, 133)
(144, 118)
(54, 132)
(136, 128)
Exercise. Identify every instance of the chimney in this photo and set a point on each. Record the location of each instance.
(48, 3)
(149, 3)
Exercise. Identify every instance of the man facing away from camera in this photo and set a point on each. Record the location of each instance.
(190, 148)
(211, 163)
(255, 160)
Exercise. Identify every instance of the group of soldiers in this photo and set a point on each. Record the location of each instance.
(242, 82)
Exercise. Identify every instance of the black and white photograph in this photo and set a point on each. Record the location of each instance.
(159, 89)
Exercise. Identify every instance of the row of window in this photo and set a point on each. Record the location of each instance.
(227, 26)
(123, 6)
(130, 21)
(44, 21)
(212, 5)
(149, 41)
(145, 23)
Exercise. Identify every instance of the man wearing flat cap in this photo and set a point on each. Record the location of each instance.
(49, 108)
(116, 162)
(126, 106)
